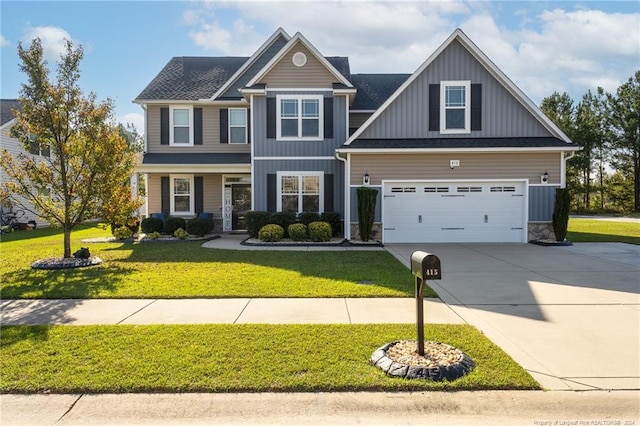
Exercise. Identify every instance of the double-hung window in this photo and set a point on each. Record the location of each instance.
(36, 148)
(300, 192)
(181, 126)
(182, 199)
(237, 125)
(455, 108)
(299, 117)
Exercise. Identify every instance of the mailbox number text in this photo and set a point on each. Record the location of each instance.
(431, 272)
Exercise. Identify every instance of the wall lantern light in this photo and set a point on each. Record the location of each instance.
(544, 178)
(365, 179)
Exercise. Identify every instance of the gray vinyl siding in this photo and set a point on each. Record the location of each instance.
(502, 114)
(357, 119)
(232, 91)
(472, 166)
(264, 167)
(542, 200)
(264, 147)
(286, 75)
(354, 205)
(210, 133)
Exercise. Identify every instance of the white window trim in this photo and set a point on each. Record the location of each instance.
(246, 125)
(467, 108)
(172, 204)
(298, 98)
(320, 175)
(190, 109)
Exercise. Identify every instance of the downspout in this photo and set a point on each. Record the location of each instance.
(347, 197)
(563, 167)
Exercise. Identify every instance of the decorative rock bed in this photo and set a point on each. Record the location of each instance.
(286, 242)
(65, 262)
(440, 361)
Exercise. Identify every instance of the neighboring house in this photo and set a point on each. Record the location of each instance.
(15, 148)
(457, 151)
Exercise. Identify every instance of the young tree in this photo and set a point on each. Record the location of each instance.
(89, 163)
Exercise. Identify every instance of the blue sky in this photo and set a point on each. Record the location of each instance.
(543, 46)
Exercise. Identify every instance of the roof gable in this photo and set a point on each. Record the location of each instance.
(6, 110)
(458, 40)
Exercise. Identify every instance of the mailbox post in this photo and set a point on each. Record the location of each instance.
(423, 266)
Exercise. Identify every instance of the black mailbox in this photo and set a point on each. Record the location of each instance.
(425, 266)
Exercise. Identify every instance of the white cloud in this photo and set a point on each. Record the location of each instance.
(134, 118)
(3, 41)
(52, 39)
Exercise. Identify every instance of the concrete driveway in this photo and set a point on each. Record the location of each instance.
(569, 315)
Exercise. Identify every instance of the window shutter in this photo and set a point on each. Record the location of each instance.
(271, 118)
(476, 107)
(272, 193)
(328, 193)
(224, 125)
(197, 126)
(198, 190)
(248, 125)
(164, 126)
(434, 107)
(328, 118)
(164, 194)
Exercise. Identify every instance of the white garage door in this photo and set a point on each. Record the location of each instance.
(436, 212)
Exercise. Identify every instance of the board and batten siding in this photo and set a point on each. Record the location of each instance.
(542, 200)
(212, 193)
(408, 115)
(286, 75)
(210, 134)
(472, 166)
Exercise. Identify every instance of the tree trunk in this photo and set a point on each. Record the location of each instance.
(67, 241)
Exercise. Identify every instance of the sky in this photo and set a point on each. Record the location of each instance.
(542, 46)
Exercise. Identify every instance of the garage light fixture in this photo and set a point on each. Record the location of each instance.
(365, 178)
(544, 178)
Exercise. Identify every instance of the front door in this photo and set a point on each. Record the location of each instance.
(241, 203)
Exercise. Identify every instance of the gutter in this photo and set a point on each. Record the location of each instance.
(347, 197)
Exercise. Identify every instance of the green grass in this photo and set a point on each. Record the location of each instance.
(588, 230)
(185, 269)
(232, 358)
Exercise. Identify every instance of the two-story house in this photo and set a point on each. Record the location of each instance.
(457, 151)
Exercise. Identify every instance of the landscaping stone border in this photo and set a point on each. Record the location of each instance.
(438, 373)
(65, 262)
(547, 243)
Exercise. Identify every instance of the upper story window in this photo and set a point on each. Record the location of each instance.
(299, 117)
(455, 107)
(238, 125)
(36, 149)
(181, 126)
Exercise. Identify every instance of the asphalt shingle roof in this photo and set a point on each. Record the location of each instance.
(541, 142)
(6, 113)
(374, 89)
(196, 158)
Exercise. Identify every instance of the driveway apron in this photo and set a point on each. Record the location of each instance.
(569, 315)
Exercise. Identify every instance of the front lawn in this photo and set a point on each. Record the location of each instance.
(589, 230)
(232, 358)
(185, 269)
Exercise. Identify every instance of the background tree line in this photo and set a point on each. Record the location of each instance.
(605, 175)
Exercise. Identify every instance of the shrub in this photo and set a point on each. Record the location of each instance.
(133, 224)
(152, 224)
(284, 219)
(199, 226)
(181, 234)
(333, 219)
(172, 224)
(271, 233)
(83, 253)
(122, 233)
(367, 199)
(255, 221)
(319, 231)
(561, 213)
(153, 235)
(297, 231)
(308, 217)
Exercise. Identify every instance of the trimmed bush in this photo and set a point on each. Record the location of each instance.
(367, 200)
(171, 224)
(561, 213)
(320, 231)
(255, 220)
(308, 217)
(284, 219)
(133, 224)
(297, 231)
(199, 226)
(152, 224)
(333, 219)
(180, 234)
(271, 233)
(153, 235)
(122, 233)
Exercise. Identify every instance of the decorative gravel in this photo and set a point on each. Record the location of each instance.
(65, 262)
(440, 361)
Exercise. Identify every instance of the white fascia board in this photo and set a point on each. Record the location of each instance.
(298, 37)
(350, 91)
(453, 150)
(251, 60)
(191, 102)
(193, 168)
(249, 91)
